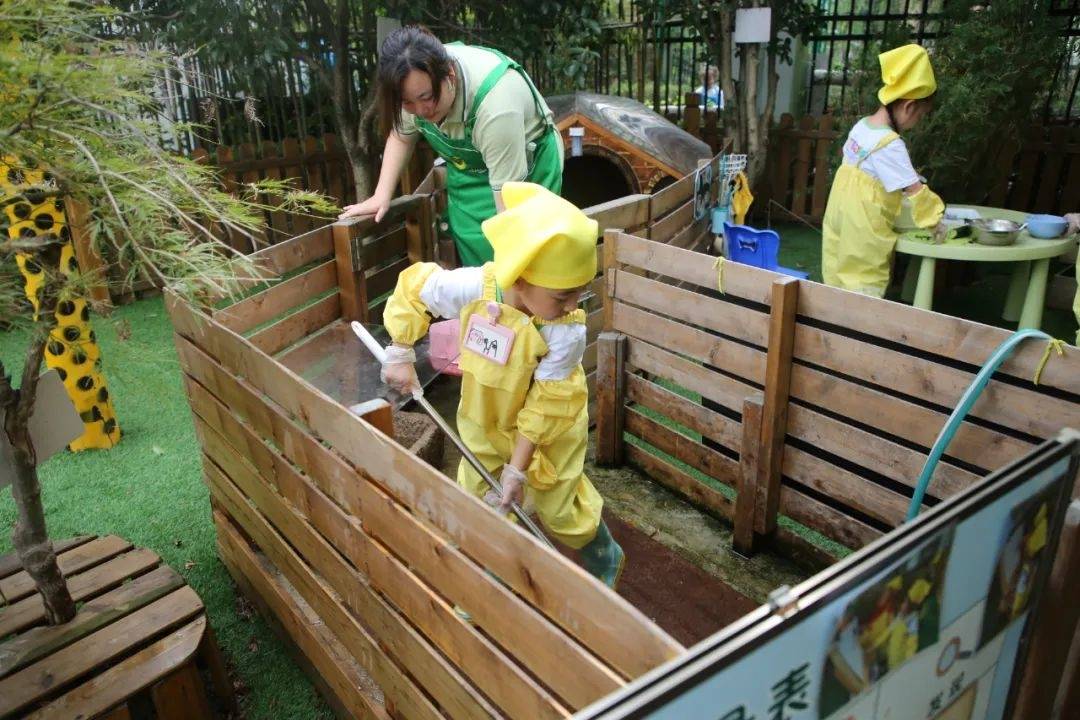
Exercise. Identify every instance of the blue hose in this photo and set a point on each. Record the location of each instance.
(960, 412)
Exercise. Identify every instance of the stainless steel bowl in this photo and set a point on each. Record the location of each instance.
(996, 231)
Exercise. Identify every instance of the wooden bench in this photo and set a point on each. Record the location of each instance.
(139, 639)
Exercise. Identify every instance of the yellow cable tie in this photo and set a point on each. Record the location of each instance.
(719, 265)
(1052, 344)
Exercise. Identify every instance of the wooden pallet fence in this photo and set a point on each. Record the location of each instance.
(851, 393)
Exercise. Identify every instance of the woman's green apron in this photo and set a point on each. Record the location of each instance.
(469, 196)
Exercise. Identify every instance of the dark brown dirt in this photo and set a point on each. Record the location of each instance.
(684, 600)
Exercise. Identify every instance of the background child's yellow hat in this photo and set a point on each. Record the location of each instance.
(542, 239)
(906, 74)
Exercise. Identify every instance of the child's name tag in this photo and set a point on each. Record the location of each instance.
(488, 340)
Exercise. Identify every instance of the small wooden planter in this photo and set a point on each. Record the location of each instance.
(137, 645)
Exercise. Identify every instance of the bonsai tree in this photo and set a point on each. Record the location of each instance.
(78, 116)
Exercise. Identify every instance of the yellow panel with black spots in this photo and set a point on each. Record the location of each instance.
(72, 348)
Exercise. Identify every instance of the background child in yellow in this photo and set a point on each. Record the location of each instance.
(864, 203)
(524, 405)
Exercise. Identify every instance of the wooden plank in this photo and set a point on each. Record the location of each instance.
(326, 660)
(36, 643)
(350, 280)
(871, 451)
(25, 687)
(785, 298)
(690, 236)
(295, 252)
(278, 228)
(181, 695)
(671, 197)
(294, 168)
(30, 611)
(721, 389)
(740, 280)
(707, 423)
(736, 321)
(609, 268)
(383, 281)
(492, 671)
(120, 713)
(387, 629)
(682, 448)
(268, 304)
(1050, 175)
(747, 496)
(91, 266)
(126, 677)
(630, 211)
(663, 230)
(745, 362)
(831, 523)
(801, 170)
(610, 402)
(621, 635)
(565, 667)
(845, 487)
(1017, 408)
(680, 482)
(973, 444)
(17, 586)
(782, 177)
(10, 564)
(275, 338)
(949, 337)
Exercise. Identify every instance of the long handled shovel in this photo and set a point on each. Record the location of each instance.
(418, 395)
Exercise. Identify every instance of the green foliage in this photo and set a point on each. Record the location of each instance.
(81, 107)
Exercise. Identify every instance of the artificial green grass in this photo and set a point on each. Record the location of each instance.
(149, 490)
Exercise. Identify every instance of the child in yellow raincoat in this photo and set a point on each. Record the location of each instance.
(523, 409)
(864, 203)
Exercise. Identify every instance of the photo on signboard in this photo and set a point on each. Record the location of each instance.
(1021, 551)
(886, 624)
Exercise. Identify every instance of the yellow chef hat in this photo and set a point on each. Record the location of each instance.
(906, 74)
(542, 239)
(918, 591)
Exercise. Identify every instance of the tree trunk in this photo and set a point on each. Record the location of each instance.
(30, 538)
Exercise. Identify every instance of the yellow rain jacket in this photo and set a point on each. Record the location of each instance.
(500, 401)
(857, 232)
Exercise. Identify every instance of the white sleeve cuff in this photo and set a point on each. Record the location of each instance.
(566, 347)
(447, 292)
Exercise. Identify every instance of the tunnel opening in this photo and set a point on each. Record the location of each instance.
(597, 176)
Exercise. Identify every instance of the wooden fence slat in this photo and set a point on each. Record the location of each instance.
(610, 400)
(973, 444)
(745, 362)
(744, 538)
(831, 523)
(250, 177)
(801, 170)
(1018, 408)
(687, 374)
(706, 460)
(948, 337)
(272, 339)
(296, 251)
(268, 304)
(621, 636)
(278, 229)
(376, 251)
(350, 276)
(324, 654)
(441, 680)
(713, 425)
(296, 168)
(822, 180)
(383, 281)
(782, 177)
(670, 198)
(325, 527)
(664, 230)
(1050, 177)
(631, 211)
(1029, 162)
(549, 653)
(671, 477)
(740, 280)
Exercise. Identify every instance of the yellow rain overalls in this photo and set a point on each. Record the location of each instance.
(857, 233)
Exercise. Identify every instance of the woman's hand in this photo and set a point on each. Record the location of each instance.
(376, 205)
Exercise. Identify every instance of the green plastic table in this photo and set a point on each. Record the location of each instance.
(1027, 288)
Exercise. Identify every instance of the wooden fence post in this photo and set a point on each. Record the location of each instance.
(692, 115)
(785, 297)
(350, 272)
(90, 263)
(610, 397)
(745, 539)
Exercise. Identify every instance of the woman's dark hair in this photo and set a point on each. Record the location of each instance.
(412, 47)
(891, 108)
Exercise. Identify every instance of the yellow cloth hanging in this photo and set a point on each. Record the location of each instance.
(741, 198)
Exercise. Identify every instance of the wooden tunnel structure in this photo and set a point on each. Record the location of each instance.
(816, 404)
